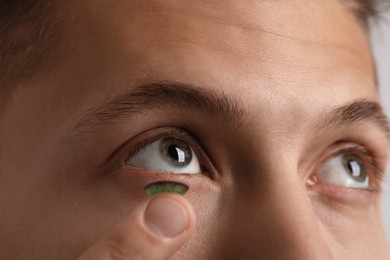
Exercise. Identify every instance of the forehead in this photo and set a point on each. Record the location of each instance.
(224, 41)
(284, 33)
(250, 49)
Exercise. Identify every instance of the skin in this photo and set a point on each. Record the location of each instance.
(284, 62)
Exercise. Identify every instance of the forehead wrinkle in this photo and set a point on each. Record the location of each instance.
(159, 95)
(241, 37)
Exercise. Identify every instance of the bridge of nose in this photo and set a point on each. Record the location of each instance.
(276, 222)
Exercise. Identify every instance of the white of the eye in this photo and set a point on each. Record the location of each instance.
(333, 172)
(149, 157)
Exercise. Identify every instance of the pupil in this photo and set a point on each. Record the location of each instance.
(355, 168)
(176, 152)
(173, 152)
(350, 168)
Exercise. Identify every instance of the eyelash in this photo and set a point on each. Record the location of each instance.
(181, 134)
(370, 159)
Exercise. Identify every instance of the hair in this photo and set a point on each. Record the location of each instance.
(31, 34)
(366, 9)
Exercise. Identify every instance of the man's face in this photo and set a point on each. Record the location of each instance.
(275, 99)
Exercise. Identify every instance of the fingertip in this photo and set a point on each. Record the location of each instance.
(169, 215)
(155, 229)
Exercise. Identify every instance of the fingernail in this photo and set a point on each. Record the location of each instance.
(166, 217)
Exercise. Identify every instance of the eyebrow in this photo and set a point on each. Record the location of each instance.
(357, 111)
(191, 98)
(158, 95)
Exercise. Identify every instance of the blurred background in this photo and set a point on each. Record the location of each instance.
(381, 47)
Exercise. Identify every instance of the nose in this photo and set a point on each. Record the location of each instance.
(274, 219)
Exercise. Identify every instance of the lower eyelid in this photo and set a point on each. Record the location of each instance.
(139, 178)
(332, 194)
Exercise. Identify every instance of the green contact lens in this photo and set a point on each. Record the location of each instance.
(166, 186)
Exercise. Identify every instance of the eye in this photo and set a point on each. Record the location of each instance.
(166, 155)
(347, 169)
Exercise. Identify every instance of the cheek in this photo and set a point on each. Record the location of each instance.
(85, 211)
(352, 229)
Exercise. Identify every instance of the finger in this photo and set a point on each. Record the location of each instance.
(154, 230)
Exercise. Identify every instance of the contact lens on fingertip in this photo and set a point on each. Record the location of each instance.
(165, 186)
